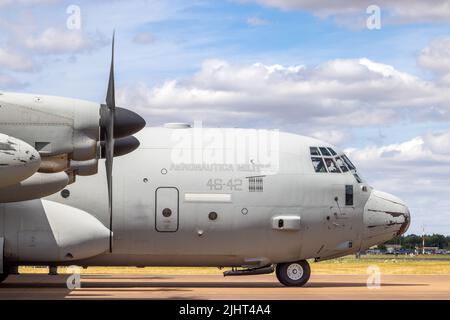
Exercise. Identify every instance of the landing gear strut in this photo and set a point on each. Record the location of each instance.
(5, 274)
(293, 274)
(4, 270)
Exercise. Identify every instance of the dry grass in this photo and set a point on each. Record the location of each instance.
(131, 270)
(346, 265)
(350, 265)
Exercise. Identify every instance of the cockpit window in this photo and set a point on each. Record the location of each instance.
(318, 164)
(332, 151)
(348, 162)
(325, 152)
(340, 163)
(326, 159)
(331, 165)
(314, 151)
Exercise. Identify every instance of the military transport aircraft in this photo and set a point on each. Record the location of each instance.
(258, 201)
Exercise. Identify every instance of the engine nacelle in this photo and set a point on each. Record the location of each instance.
(18, 160)
(37, 186)
(54, 164)
(46, 232)
(67, 134)
(53, 125)
(84, 168)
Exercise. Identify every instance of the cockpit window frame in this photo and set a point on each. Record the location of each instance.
(326, 153)
(331, 150)
(338, 170)
(341, 162)
(322, 162)
(343, 167)
(357, 178)
(347, 161)
(314, 151)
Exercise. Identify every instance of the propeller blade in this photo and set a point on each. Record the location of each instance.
(109, 140)
(115, 123)
(111, 94)
(109, 178)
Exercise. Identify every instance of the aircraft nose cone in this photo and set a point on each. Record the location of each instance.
(127, 123)
(405, 225)
(385, 216)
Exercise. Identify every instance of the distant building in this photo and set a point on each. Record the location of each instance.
(391, 248)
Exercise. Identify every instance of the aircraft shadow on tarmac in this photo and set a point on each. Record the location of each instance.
(136, 284)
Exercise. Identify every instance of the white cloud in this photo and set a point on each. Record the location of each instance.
(335, 137)
(431, 148)
(58, 41)
(15, 61)
(417, 168)
(398, 11)
(436, 56)
(4, 3)
(352, 92)
(438, 143)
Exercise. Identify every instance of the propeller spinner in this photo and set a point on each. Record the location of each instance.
(116, 123)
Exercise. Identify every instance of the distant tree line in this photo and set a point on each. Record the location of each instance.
(412, 241)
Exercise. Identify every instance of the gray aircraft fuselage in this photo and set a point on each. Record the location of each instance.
(208, 213)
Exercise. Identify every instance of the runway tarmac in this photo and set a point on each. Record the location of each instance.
(230, 288)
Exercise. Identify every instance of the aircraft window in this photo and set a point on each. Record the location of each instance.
(332, 151)
(324, 151)
(326, 159)
(331, 165)
(318, 164)
(314, 151)
(340, 163)
(349, 195)
(358, 179)
(348, 162)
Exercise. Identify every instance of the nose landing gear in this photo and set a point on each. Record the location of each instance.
(293, 274)
(4, 270)
(5, 274)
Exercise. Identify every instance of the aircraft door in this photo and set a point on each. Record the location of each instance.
(167, 209)
(341, 217)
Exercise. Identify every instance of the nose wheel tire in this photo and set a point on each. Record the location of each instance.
(293, 274)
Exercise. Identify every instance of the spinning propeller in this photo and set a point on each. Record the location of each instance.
(117, 125)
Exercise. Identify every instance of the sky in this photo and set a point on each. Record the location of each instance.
(320, 68)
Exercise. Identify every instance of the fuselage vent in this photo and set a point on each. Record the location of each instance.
(256, 184)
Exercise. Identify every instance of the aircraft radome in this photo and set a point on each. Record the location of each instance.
(256, 200)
